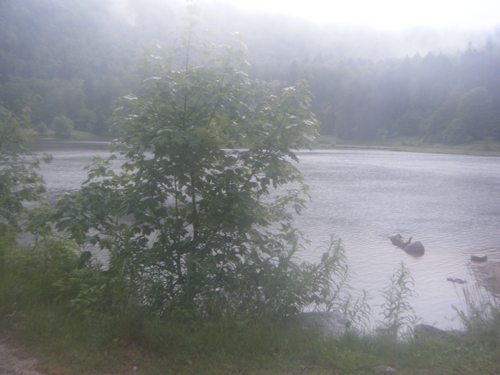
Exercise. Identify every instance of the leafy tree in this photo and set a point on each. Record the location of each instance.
(199, 218)
(62, 126)
(476, 114)
(19, 180)
(41, 128)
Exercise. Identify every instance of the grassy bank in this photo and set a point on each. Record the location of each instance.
(408, 144)
(414, 144)
(136, 343)
(75, 136)
(49, 308)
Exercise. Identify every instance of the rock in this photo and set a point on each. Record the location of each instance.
(384, 370)
(477, 258)
(415, 248)
(426, 331)
(456, 280)
(329, 323)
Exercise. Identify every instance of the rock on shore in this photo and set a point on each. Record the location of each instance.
(329, 323)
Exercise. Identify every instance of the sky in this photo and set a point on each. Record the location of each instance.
(384, 14)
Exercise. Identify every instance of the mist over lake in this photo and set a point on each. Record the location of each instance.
(448, 202)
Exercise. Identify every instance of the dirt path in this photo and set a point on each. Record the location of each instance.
(10, 364)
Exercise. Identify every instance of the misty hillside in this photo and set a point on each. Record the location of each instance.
(74, 58)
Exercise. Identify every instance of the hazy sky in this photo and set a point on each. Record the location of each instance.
(385, 14)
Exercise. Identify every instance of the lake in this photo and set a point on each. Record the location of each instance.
(451, 203)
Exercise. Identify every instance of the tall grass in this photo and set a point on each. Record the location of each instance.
(481, 316)
(72, 315)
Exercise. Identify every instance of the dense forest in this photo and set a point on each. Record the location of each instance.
(72, 59)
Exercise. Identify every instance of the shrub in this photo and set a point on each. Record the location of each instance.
(19, 178)
(199, 219)
(398, 315)
(42, 128)
(62, 126)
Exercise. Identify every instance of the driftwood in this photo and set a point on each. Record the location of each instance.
(477, 258)
(415, 248)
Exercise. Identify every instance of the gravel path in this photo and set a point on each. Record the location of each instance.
(10, 364)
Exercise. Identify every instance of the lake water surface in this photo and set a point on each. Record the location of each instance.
(451, 203)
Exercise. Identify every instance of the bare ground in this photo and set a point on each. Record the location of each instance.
(11, 364)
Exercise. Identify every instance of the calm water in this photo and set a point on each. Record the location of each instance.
(450, 203)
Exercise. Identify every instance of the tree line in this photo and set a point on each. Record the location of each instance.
(450, 99)
(78, 57)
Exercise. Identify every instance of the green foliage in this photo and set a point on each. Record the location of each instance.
(55, 273)
(199, 219)
(482, 316)
(62, 126)
(456, 133)
(48, 304)
(41, 128)
(398, 315)
(19, 180)
(475, 112)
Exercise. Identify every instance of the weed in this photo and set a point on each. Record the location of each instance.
(398, 315)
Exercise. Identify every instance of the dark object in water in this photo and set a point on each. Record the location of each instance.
(397, 240)
(416, 248)
(477, 258)
(454, 280)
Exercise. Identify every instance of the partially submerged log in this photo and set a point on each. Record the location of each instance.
(478, 258)
(415, 249)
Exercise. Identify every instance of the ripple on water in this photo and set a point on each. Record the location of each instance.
(448, 202)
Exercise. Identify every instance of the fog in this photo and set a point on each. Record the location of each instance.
(367, 82)
(352, 37)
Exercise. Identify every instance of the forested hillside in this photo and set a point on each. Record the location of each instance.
(74, 58)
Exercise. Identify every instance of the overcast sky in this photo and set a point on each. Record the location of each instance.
(384, 14)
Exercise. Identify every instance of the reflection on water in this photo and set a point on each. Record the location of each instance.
(69, 158)
(448, 202)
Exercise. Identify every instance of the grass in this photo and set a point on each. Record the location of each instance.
(408, 144)
(76, 135)
(72, 339)
(66, 345)
(415, 144)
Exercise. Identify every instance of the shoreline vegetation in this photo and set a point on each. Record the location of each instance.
(75, 338)
(202, 275)
(414, 144)
(135, 342)
(404, 144)
(69, 339)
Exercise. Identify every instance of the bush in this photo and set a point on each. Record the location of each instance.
(41, 128)
(199, 221)
(62, 126)
(19, 178)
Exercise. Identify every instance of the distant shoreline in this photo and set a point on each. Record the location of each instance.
(483, 148)
(324, 142)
